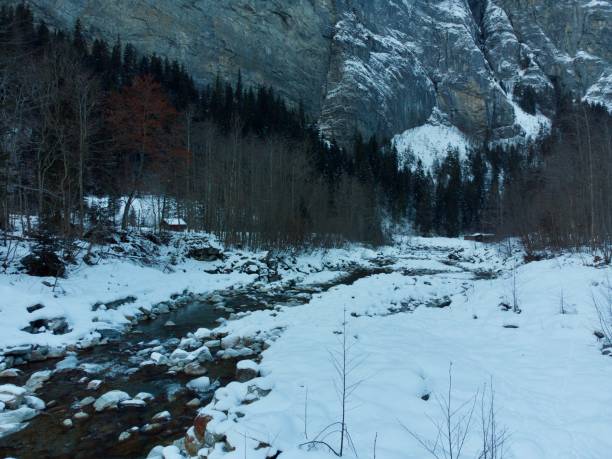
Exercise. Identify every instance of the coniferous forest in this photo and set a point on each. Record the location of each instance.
(83, 118)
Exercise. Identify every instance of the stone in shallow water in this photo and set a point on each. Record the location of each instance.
(195, 369)
(12, 395)
(34, 402)
(199, 385)
(162, 416)
(110, 400)
(123, 436)
(144, 396)
(86, 401)
(37, 380)
(67, 423)
(159, 359)
(194, 403)
(132, 403)
(17, 416)
(246, 370)
(151, 428)
(202, 333)
(94, 384)
(10, 373)
(80, 416)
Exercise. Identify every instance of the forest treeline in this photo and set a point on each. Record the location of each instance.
(81, 118)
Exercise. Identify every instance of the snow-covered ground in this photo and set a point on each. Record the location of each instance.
(436, 305)
(551, 381)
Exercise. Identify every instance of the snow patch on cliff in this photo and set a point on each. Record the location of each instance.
(430, 142)
(601, 93)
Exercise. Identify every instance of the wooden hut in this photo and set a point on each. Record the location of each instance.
(173, 224)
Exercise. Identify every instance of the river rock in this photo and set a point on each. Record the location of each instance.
(192, 443)
(181, 357)
(200, 424)
(132, 403)
(67, 423)
(18, 351)
(150, 429)
(195, 369)
(125, 435)
(34, 402)
(159, 359)
(110, 400)
(189, 343)
(94, 384)
(81, 416)
(202, 333)
(169, 324)
(144, 396)
(17, 416)
(163, 416)
(199, 385)
(194, 403)
(37, 379)
(12, 395)
(202, 354)
(86, 402)
(10, 373)
(246, 370)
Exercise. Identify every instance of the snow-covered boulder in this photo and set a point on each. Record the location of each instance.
(199, 385)
(37, 380)
(202, 333)
(246, 370)
(12, 395)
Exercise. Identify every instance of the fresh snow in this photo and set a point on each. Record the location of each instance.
(550, 379)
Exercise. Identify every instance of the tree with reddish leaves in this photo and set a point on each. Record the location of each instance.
(142, 123)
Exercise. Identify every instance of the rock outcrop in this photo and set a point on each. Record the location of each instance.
(380, 66)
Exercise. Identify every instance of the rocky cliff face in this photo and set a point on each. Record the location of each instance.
(380, 66)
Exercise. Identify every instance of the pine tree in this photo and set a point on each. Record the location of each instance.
(78, 40)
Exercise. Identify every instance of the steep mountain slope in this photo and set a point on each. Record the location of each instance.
(380, 66)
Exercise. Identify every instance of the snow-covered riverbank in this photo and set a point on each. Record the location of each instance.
(123, 282)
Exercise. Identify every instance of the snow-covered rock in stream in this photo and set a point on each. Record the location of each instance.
(200, 385)
(34, 402)
(202, 333)
(246, 370)
(11, 395)
(37, 379)
(110, 400)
